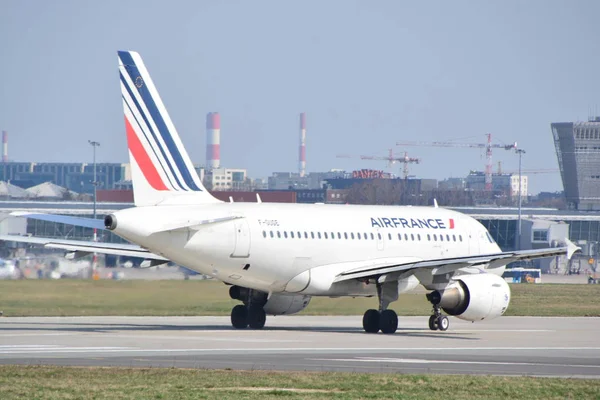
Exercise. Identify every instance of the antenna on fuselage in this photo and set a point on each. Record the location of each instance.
(258, 199)
(435, 204)
(231, 199)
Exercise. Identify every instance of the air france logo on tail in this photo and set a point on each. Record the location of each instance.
(151, 136)
(418, 223)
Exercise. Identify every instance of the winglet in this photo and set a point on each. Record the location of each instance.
(572, 248)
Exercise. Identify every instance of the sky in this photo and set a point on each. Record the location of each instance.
(367, 73)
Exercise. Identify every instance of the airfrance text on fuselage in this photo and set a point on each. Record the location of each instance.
(418, 223)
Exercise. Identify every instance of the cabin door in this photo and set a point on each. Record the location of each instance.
(242, 239)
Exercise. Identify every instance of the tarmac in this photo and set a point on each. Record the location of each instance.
(532, 346)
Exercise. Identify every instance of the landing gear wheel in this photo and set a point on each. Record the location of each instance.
(388, 321)
(371, 321)
(256, 317)
(443, 323)
(433, 325)
(239, 317)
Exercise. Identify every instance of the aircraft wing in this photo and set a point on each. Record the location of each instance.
(443, 266)
(82, 247)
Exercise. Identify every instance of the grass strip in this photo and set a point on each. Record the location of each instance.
(49, 382)
(189, 298)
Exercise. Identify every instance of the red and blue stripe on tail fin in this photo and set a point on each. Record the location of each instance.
(162, 171)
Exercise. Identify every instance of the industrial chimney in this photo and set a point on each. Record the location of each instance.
(302, 152)
(4, 146)
(213, 140)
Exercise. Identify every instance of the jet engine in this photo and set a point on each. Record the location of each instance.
(281, 304)
(277, 304)
(474, 297)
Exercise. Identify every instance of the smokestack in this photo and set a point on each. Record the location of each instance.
(302, 153)
(213, 140)
(4, 146)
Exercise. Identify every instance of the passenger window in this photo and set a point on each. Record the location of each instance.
(325, 234)
(389, 236)
(285, 234)
(448, 237)
(332, 235)
(412, 237)
(292, 234)
(366, 236)
(399, 236)
(372, 236)
(279, 234)
(305, 235)
(434, 237)
(346, 235)
(271, 233)
(454, 238)
(379, 236)
(428, 237)
(339, 235)
(460, 237)
(264, 234)
(406, 236)
(352, 235)
(312, 235)
(319, 235)
(441, 238)
(418, 237)
(358, 235)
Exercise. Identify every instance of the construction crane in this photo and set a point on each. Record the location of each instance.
(391, 160)
(500, 171)
(488, 146)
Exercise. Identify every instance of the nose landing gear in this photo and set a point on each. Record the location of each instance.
(437, 321)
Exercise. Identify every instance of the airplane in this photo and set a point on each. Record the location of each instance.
(275, 257)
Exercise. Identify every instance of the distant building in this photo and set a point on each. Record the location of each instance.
(226, 179)
(507, 184)
(293, 180)
(578, 151)
(77, 177)
(453, 184)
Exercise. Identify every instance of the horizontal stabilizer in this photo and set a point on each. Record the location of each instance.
(75, 246)
(63, 219)
(152, 263)
(194, 223)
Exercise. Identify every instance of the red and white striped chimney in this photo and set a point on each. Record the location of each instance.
(302, 153)
(213, 140)
(4, 146)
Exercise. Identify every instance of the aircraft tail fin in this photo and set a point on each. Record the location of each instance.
(161, 170)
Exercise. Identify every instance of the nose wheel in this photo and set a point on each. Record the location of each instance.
(437, 321)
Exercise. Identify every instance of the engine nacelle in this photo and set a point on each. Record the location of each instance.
(281, 304)
(474, 297)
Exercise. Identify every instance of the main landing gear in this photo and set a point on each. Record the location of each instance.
(437, 321)
(383, 320)
(251, 313)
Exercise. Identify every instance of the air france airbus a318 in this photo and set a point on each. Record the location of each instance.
(277, 256)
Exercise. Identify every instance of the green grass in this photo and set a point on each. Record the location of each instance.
(45, 382)
(162, 298)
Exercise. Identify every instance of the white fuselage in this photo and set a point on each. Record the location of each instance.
(271, 244)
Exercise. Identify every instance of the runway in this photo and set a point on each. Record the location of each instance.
(567, 347)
